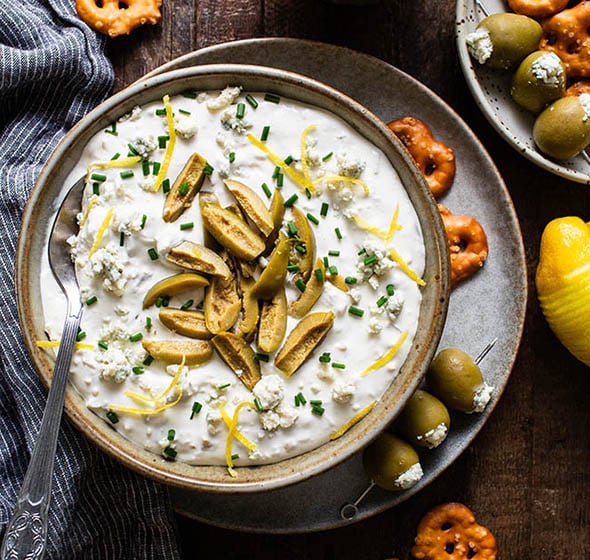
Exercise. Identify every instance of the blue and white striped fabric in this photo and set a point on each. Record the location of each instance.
(52, 72)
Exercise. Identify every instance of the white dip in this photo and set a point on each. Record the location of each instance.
(120, 272)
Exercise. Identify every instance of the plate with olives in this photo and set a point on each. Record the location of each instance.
(521, 89)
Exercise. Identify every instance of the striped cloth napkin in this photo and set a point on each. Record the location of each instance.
(53, 70)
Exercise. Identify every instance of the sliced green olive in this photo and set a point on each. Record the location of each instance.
(277, 211)
(303, 249)
(302, 341)
(273, 276)
(239, 356)
(222, 302)
(183, 191)
(173, 285)
(198, 258)
(313, 290)
(193, 352)
(252, 205)
(338, 281)
(250, 309)
(273, 322)
(187, 322)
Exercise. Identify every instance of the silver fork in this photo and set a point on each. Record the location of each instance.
(26, 533)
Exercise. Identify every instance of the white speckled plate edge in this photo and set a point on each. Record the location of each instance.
(491, 91)
(500, 288)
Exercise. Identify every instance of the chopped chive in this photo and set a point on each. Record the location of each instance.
(143, 221)
(189, 94)
(334, 253)
(291, 200)
(122, 239)
(145, 167)
(136, 337)
(326, 262)
(371, 259)
(187, 304)
(132, 150)
(113, 418)
(333, 270)
(265, 132)
(91, 300)
(166, 186)
(272, 98)
(232, 157)
(390, 289)
(127, 174)
(96, 189)
(103, 345)
(148, 360)
(338, 365)
(148, 323)
(162, 301)
(307, 192)
(312, 218)
(235, 457)
(170, 452)
(137, 370)
(352, 310)
(98, 177)
(116, 156)
(350, 280)
(315, 402)
(301, 249)
(324, 209)
(80, 336)
(319, 274)
(197, 406)
(258, 356)
(300, 285)
(224, 386)
(162, 140)
(302, 399)
(153, 254)
(289, 160)
(280, 180)
(296, 399)
(113, 130)
(183, 189)
(291, 228)
(184, 111)
(338, 233)
(276, 172)
(362, 251)
(327, 156)
(171, 434)
(258, 405)
(266, 190)
(156, 167)
(292, 267)
(187, 225)
(318, 410)
(161, 112)
(381, 301)
(240, 111)
(325, 358)
(251, 101)
(208, 170)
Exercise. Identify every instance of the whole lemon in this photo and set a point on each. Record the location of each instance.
(563, 283)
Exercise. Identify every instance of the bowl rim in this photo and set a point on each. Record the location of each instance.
(298, 468)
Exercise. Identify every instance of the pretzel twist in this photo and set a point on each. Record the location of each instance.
(537, 8)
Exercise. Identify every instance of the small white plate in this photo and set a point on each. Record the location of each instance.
(491, 90)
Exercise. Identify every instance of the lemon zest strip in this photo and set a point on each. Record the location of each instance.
(345, 427)
(169, 147)
(101, 230)
(238, 435)
(387, 356)
(230, 436)
(394, 255)
(145, 411)
(91, 203)
(304, 166)
(368, 227)
(125, 162)
(342, 178)
(393, 226)
(173, 384)
(296, 177)
(56, 343)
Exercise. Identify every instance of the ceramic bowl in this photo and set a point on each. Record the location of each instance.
(49, 190)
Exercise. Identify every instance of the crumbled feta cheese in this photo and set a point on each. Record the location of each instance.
(113, 365)
(214, 421)
(410, 477)
(377, 266)
(283, 416)
(479, 45)
(224, 99)
(348, 166)
(435, 437)
(144, 146)
(185, 126)
(375, 326)
(343, 390)
(482, 397)
(229, 121)
(394, 305)
(147, 183)
(355, 295)
(126, 220)
(548, 69)
(134, 115)
(326, 373)
(112, 263)
(585, 102)
(269, 391)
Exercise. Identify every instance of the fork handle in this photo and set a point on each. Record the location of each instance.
(26, 533)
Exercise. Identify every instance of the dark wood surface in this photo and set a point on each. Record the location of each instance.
(526, 474)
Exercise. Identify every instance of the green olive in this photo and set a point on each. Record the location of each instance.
(424, 421)
(455, 379)
(512, 37)
(563, 129)
(539, 80)
(388, 459)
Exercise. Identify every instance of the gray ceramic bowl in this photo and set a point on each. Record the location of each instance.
(49, 190)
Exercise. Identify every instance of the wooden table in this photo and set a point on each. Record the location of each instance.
(526, 473)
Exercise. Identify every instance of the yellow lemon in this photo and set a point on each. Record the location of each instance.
(563, 283)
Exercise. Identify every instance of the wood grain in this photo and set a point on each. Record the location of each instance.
(526, 474)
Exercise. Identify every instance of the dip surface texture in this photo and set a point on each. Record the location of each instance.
(367, 237)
